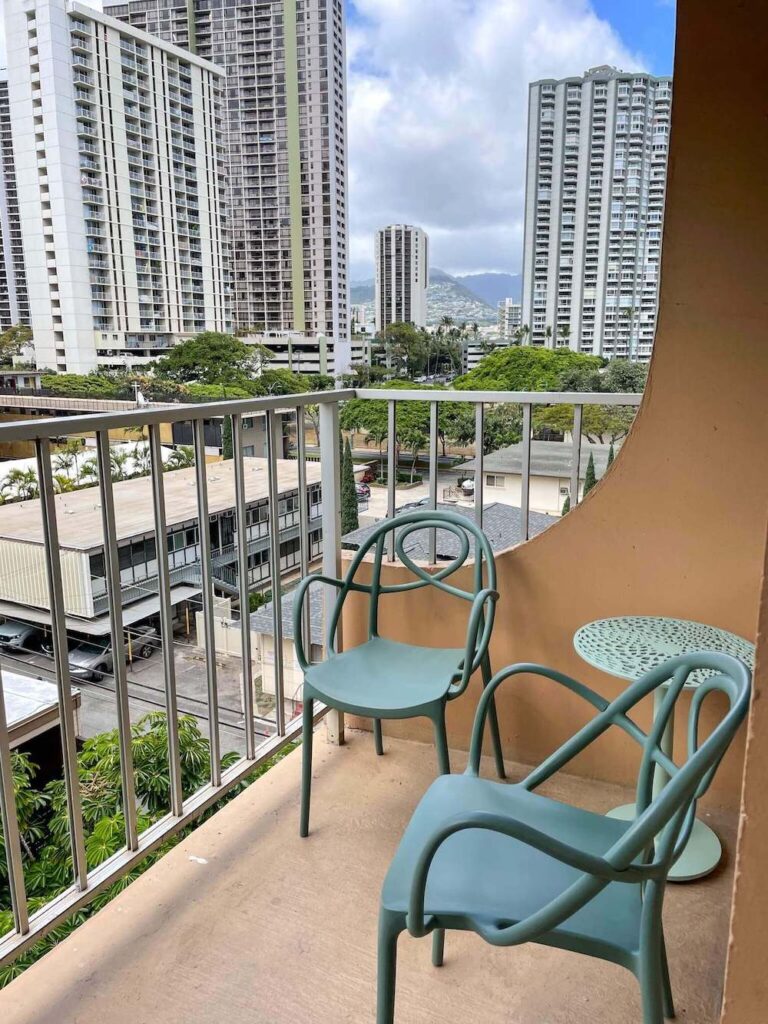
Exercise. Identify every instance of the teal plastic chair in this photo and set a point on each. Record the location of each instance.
(517, 867)
(384, 679)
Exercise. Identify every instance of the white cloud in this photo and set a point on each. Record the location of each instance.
(438, 93)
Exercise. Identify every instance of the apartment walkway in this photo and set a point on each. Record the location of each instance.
(245, 923)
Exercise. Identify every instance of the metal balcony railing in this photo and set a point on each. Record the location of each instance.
(29, 926)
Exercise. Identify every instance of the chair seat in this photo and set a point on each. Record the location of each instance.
(478, 876)
(385, 678)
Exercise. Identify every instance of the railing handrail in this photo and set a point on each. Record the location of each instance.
(50, 427)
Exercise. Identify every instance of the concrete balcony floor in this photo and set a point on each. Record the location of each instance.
(244, 922)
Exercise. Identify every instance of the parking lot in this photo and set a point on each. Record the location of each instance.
(146, 692)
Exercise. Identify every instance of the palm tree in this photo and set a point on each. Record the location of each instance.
(118, 460)
(180, 458)
(141, 458)
(21, 484)
(62, 483)
(548, 337)
(563, 334)
(68, 458)
(89, 471)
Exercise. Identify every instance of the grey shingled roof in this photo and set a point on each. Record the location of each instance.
(501, 525)
(548, 458)
(261, 619)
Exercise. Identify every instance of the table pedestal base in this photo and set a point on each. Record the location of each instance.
(701, 855)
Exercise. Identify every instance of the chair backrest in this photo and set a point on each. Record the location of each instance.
(392, 534)
(665, 818)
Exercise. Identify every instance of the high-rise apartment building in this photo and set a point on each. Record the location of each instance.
(286, 139)
(402, 276)
(14, 306)
(594, 206)
(121, 184)
(510, 318)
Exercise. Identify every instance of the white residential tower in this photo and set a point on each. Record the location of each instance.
(402, 276)
(121, 186)
(594, 206)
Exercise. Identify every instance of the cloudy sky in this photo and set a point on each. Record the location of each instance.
(437, 110)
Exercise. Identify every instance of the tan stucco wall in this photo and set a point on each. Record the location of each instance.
(677, 527)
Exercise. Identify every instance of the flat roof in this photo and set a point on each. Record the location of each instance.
(79, 512)
(548, 458)
(30, 705)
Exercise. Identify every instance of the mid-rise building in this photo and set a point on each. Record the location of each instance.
(121, 186)
(14, 306)
(402, 276)
(594, 206)
(510, 319)
(287, 162)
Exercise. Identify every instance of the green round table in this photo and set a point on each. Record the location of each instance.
(628, 646)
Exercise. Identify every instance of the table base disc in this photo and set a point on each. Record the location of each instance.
(700, 857)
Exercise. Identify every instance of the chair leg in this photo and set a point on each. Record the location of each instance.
(441, 742)
(650, 969)
(390, 927)
(493, 723)
(666, 984)
(377, 737)
(307, 733)
(438, 946)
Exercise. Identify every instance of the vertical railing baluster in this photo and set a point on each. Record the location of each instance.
(275, 571)
(330, 473)
(243, 582)
(304, 540)
(10, 822)
(434, 423)
(119, 670)
(391, 473)
(61, 660)
(479, 462)
(166, 620)
(576, 464)
(206, 580)
(525, 476)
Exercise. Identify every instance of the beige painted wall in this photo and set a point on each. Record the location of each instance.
(23, 578)
(544, 492)
(677, 526)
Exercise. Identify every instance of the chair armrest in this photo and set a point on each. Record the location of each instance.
(299, 596)
(541, 920)
(476, 743)
(476, 647)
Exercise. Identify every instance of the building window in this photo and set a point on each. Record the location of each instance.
(494, 480)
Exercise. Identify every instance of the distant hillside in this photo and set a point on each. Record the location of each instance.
(446, 296)
(492, 288)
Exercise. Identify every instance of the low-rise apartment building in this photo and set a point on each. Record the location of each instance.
(23, 589)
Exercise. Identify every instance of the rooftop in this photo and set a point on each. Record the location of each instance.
(79, 512)
(244, 922)
(548, 458)
(30, 705)
(501, 525)
(262, 621)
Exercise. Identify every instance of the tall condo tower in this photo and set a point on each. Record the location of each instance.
(286, 142)
(594, 206)
(121, 186)
(14, 306)
(402, 276)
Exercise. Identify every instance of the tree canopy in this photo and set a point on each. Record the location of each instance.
(213, 358)
(525, 369)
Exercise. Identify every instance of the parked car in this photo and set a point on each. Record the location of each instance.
(92, 659)
(20, 637)
(363, 490)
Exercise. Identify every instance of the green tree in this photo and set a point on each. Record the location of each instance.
(524, 368)
(213, 358)
(12, 340)
(589, 477)
(349, 519)
(566, 505)
(88, 385)
(227, 447)
(180, 458)
(20, 484)
(611, 454)
(599, 423)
